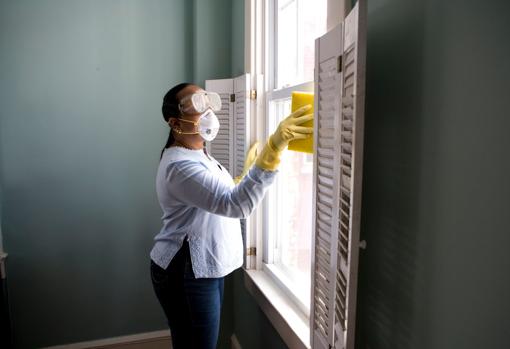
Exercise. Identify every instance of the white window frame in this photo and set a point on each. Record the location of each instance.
(270, 265)
(278, 272)
(285, 313)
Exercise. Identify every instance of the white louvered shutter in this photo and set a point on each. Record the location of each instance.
(340, 90)
(221, 148)
(328, 49)
(352, 129)
(241, 121)
(241, 145)
(232, 142)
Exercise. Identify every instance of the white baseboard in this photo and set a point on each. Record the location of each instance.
(148, 340)
(235, 342)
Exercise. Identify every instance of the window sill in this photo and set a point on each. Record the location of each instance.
(286, 317)
(292, 289)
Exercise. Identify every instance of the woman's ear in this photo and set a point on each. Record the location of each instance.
(173, 122)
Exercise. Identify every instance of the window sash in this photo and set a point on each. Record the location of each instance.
(271, 253)
(272, 248)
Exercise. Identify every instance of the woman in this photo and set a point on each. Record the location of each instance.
(200, 241)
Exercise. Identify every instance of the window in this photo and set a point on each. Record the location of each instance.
(281, 37)
(293, 27)
(297, 24)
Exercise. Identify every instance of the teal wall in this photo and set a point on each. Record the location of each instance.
(218, 43)
(81, 84)
(237, 38)
(1, 193)
(80, 131)
(212, 55)
(436, 189)
(1, 236)
(81, 91)
(251, 326)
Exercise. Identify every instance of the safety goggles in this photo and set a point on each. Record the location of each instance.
(199, 102)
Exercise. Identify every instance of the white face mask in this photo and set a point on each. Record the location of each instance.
(208, 126)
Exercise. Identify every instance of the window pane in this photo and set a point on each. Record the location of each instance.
(295, 208)
(292, 208)
(299, 23)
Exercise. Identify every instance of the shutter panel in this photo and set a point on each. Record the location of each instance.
(232, 142)
(340, 89)
(241, 146)
(221, 148)
(351, 167)
(241, 121)
(326, 186)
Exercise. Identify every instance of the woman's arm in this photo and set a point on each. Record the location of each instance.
(194, 185)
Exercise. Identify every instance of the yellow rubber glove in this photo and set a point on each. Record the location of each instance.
(287, 130)
(251, 155)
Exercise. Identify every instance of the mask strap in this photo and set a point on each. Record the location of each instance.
(186, 133)
(192, 122)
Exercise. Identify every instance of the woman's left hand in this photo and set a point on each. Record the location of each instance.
(251, 155)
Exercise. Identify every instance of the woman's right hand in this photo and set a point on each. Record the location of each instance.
(288, 130)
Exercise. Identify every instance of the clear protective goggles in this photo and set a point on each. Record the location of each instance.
(199, 102)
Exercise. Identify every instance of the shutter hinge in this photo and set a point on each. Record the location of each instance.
(251, 251)
(253, 94)
(339, 64)
(232, 97)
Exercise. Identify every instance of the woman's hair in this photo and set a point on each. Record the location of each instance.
(170, 109)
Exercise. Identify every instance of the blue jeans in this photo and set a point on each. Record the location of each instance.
(192, 306)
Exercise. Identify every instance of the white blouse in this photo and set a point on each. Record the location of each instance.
(200, 200)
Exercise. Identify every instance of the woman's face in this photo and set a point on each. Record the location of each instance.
(186, 127)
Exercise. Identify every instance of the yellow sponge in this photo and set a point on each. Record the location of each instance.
(300, 99)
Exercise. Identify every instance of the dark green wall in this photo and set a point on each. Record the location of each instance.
(81, 91)
(212, 54)
(80, 129)
(1, 236)
(237, 38)
(1, 181)
(436, 197)
(81, 84)
(251, 326)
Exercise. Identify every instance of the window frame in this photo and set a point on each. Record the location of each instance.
(283, 312)
(277, 271)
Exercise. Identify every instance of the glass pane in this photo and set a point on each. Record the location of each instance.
(292, 208)
(299, 23)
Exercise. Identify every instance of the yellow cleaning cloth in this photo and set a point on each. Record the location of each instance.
(300, 99)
